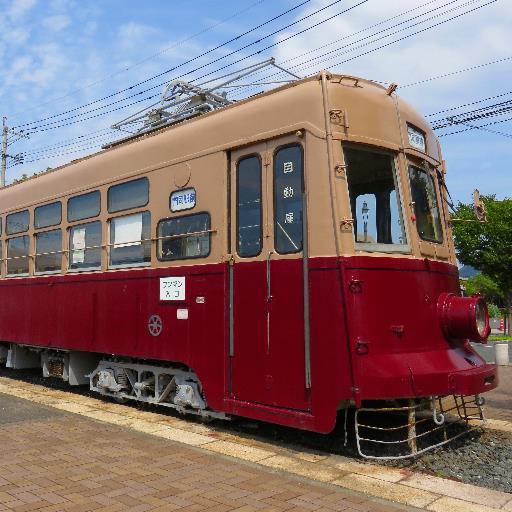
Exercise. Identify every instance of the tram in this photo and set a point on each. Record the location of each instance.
(282, 258)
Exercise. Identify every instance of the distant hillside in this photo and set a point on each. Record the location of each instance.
(467, 271)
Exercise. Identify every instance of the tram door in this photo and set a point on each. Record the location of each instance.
(268, 356)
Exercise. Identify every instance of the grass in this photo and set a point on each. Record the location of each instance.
(499, 337)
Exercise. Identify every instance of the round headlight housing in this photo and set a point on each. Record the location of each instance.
(463, 317)
(482, 318)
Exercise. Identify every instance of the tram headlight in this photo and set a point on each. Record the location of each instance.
(463, 317)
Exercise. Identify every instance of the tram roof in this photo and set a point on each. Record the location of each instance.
(150, 133)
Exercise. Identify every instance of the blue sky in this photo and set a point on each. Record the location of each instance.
(57, 55)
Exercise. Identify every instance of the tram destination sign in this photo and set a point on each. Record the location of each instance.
(183, 199)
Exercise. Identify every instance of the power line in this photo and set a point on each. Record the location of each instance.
(53, 126)
(474, 128)
(77, 138)
(474, 115)
(357, 40)
(87, 140)
(495, 132)
(63, 153)
(337, 51)
(464, 70)
(131, 87)
(361, 31)
(391, 42)
(138, 63)
(414, 33)
(46, 127)
(469, 104)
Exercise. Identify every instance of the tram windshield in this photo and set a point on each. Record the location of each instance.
(375, 201)
(426, 208)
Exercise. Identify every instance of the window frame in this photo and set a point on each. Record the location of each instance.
(110, 265)
(439, 202)
(97, 268)
(7, 258)
(160, 239)
(397, 179)
(302, 192)
(13, 234)
(70, 221)
(47, 225)
(143, 178)
(260, 161)
(61, 252)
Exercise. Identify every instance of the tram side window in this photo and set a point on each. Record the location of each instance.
(248, 182)
(184, 237)
(288, 189)
(132, 194)
(374, 199)
(17, 255)
(17, 222)
(129, 239)
(85, 246)
(49, 251)
(84, 206)
(48, 215)
(426, 209)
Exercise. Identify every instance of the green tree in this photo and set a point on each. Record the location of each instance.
(487, 246)
(485, 286)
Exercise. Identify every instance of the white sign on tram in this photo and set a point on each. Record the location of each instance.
(172, 288)
(183, 199)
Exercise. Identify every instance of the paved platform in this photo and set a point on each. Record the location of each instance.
(499, 401)
(55, 461)
(99, 455)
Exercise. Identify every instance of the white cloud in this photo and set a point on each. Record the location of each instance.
(475, 38)
(468, 40)
(133, 34)
(19, 8)
(56, 23)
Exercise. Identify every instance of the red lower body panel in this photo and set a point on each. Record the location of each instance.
(374, 332)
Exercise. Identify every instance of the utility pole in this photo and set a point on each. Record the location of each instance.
(4, 151)
(18, 159)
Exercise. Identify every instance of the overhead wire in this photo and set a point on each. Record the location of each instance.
(337, 51)
(294, 67)
(59, 124)
(55, 125)
(50, 150)
(474, 115)
(150, 57)
(474, 128)
(450, 109)
(453, 73)
(375, 49)
(372, 50)
(403, 13)
(133, 86)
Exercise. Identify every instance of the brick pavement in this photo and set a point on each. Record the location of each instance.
(54, 461)
(499, 401)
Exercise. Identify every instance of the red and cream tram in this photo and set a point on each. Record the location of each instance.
(281, 259)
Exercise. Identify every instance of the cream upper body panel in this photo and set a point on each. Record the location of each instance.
(360, 112)
(266, 116)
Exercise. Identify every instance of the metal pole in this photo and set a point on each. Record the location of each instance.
(4, 152)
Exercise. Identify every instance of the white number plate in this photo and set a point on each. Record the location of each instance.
(172, 288)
